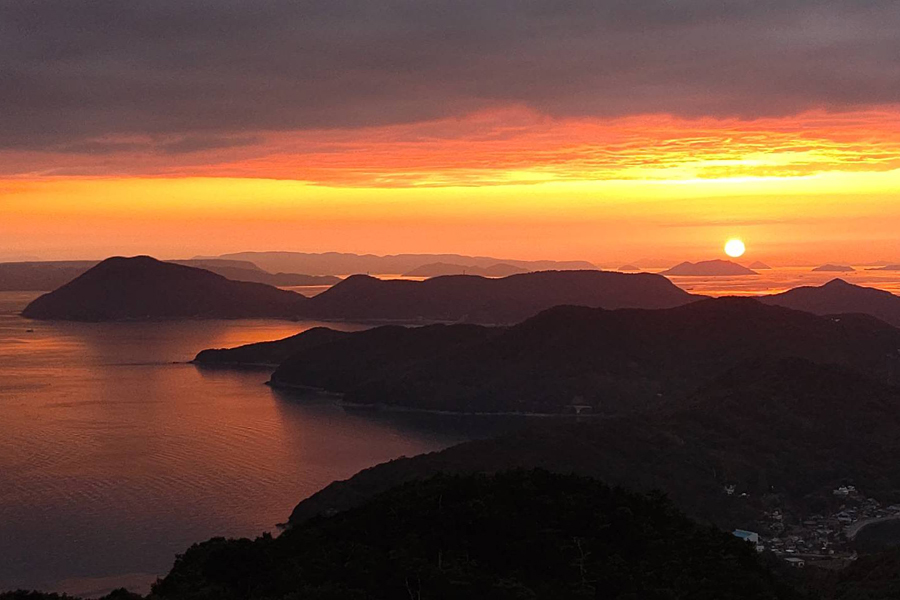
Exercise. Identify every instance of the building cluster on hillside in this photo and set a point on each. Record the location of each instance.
(820, 538)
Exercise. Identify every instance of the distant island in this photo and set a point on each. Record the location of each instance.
(885, 268)
(838, 296)
(439, 269)
(829, 268)
(628, 268)
(709, 268)
(760, 266)
(343, 263)
(145, 288)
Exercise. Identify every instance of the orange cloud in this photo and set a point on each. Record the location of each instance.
(513, 146)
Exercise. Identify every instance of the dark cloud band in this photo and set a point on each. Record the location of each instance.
(207, 72)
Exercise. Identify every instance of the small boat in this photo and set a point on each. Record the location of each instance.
(29, 331)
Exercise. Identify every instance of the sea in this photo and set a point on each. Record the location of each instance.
(116, 453)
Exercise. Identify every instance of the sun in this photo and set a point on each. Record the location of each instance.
(735, 248)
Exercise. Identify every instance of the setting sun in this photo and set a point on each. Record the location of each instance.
(735, 248)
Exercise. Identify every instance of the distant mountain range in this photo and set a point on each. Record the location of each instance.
(338, 263)
(40, 276)
(143, 287)
(49, 275)
(709, 268)
(438, 269)
(838, 296)
(759, 266)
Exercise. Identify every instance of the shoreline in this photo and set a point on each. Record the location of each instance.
(336, 398)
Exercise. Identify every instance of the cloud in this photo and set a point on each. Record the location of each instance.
(209, 71)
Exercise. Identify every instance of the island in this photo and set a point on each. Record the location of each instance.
(830, 268)
(709, 268)
(760, 266)
(141, 288)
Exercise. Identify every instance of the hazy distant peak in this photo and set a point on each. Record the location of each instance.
(709, 268)
(836, 268)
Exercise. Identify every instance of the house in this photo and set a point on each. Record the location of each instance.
(747, 536)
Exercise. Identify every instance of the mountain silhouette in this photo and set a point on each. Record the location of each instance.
(609, 361)
(838, 296)
(760, 266)
(269, 353)
(145, 288)
(475, 299)
(829, 268)
(709, 268)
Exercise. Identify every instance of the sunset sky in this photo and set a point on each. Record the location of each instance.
(608, 131)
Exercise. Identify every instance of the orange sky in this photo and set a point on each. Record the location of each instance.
(803, 189)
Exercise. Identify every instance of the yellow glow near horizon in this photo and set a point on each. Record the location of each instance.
(816, 187)
(735, 248)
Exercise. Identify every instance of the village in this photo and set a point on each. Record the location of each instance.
(821, 540)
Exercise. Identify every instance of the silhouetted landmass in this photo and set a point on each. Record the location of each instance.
(474, 299)
(629, 268)
(49, 275)
(247, 271)
(40, 276)
(759, 266)
(709, 268)
(269, 353)
(439, 269)
(512, 535)
(885, 268)
(784, 432)
(607, 361)
(834, 269)
(145, 288)
(338, 263)
(838, 296)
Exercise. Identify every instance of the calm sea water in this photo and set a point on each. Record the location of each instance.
(115, 454)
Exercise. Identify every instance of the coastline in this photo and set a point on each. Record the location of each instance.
(337, 398)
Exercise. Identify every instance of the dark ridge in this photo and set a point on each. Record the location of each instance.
(785, 432)
(838, 296)
(471, 299)
(269, 353)
(574, 358)
(520, 534)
